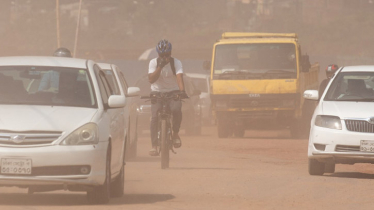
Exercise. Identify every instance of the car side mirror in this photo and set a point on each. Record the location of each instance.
(305, 63)
(311, 95)
(132, 91)
(116, 101)
(207, 65)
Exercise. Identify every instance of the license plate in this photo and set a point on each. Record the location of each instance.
(15, 166)
(367, 146)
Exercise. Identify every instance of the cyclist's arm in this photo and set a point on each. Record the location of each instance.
(180, 82)
(153, 77)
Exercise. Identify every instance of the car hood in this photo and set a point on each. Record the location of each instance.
(43, 118)
(348, 109)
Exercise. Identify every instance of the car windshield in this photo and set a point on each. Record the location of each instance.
(352, 86)
(52, 86)
(255, 61)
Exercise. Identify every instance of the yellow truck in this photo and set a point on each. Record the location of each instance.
(257, 81)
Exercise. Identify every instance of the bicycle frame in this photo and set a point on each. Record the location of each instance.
(164, 140)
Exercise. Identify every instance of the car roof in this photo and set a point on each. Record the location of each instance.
(364, 68)
(43, 61)
(197, 75)
(105, 66)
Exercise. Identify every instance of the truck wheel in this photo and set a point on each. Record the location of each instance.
(239, 132)
(315, 167)
(223, 129)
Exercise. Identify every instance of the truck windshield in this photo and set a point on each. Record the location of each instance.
(352, 86)
(255, 61)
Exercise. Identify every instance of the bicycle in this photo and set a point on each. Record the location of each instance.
(165, 132)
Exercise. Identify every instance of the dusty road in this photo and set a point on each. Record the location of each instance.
(264, 170)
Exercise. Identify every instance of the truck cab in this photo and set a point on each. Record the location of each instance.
(257, 79)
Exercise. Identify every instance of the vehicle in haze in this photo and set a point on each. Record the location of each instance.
(118, 84)
(61, 127)
(201, 82)
(259, 78)
(191, 109)
(342, 127)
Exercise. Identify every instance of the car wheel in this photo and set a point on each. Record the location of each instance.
(118, 185)
(330, 168)
(101, 194)
(315, 167)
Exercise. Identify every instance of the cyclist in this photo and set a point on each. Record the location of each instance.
(62, 52)
(166, 75)
(330, 71)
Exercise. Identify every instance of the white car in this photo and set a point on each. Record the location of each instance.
(201, 82)
(342, 127)
(61, 127)
(118, 83)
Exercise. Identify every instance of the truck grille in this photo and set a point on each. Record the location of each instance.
(359, 126)
(347, 148)
(242, 103)
(32, 138)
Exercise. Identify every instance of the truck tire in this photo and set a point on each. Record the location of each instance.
(239, 131)
(316, 168)
(223, 128)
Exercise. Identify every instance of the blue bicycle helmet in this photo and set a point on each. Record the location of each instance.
(164, 46)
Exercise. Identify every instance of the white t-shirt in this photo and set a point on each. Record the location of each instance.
(167, 80)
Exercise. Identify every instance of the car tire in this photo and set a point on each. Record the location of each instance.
(118, 186)
(330, 168)
(101, 194)
(315, 167)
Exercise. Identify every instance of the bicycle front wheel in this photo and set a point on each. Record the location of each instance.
(164, 146)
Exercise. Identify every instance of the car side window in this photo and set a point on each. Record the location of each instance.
(123, 82)
(109, 74)
(104, 87)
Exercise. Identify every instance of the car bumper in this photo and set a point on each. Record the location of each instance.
(332, 140)
(58, 156)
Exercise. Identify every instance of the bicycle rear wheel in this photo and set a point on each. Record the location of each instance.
(164, 146)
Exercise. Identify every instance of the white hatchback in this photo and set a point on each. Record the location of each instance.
(342, 127)
(61, 127)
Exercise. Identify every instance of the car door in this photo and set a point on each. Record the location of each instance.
(107, 85)
(130, 112)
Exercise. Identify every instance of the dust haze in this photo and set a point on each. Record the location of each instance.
(119, 31)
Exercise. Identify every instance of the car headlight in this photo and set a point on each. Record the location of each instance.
(221, 104)
(326, 121)
(86, 134)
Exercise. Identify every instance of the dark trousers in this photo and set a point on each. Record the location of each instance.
(176, 110)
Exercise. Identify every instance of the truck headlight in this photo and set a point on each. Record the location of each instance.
(221, 104)
(326, 121)
(86, 134)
